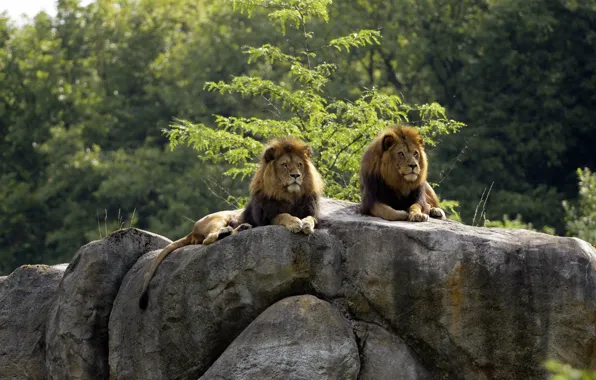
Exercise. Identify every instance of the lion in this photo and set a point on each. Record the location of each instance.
(393, 178)
(285, 190)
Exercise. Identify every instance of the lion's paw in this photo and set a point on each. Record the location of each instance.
(225, 231)
(295, 225)
(243, 227)
(436, 212)
(308, 225)
(418, 217)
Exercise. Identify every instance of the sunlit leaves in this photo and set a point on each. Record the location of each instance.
(358, 39)
(269, 53)
(283, 12)
(562, 371)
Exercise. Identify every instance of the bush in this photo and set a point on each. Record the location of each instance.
(580, 216)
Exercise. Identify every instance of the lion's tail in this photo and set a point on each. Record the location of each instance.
(144, 299)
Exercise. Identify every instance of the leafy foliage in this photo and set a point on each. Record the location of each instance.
(580, 216)
(337, 129)
(83, 99)
(561, 371)
(516, 223)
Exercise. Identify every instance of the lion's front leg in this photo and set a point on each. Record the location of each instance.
(416, 214)
(292, 223)
(308, 224)
(386, 212)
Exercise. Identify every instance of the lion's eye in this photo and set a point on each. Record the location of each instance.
(415, 154)
(300, 164)
(284, 165)
(401, 154)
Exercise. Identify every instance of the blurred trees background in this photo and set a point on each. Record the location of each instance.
(85, 96)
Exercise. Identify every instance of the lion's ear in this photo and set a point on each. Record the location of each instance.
(420, 140)
(308, 152)
(388, 141)
(269, 155)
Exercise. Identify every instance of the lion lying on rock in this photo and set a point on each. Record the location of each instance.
(393, 178)
(285, 191)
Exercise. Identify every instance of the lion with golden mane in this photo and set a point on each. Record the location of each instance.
(285, 190)
(393, 178)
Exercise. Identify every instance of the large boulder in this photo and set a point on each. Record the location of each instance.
(25, 299)
(461, 302)
(202, 297)
(77, 327)
(475, 302)
(298, 338)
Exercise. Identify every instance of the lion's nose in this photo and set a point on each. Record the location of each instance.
(295, 175)
(413, 166)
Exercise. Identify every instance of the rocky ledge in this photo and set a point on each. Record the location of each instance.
(361, 298)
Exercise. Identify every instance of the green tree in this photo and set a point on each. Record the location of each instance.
(83, 100)
(337, 129)
(30, 69)
(525, 89)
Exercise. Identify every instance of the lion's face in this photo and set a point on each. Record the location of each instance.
(406, 159)
(403, 160)
(286, 171)
(290, 171)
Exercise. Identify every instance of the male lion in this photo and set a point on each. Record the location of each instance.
(393, 178)
(285, 191)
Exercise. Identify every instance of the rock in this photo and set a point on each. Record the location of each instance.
(468, 302)
(386, 357)
(297, 338)
(474, 303)
(202, 297)
(77, 328)
(436, 300)
(25, 298)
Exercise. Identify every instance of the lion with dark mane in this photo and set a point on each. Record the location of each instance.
(393, 178)
(285, 190)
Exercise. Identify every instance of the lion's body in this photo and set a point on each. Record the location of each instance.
(393, 178)
(285, 191)
(261, 211)
(206, 230)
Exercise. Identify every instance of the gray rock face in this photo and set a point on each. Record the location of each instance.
(298, 338)
(386, 357)
(434, 300)
(25, 298)
(475, 303)
(469, 303)
(77, 328)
